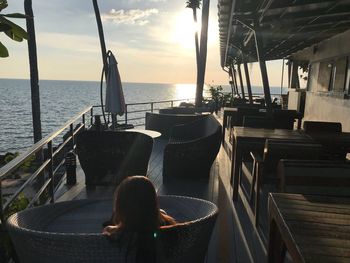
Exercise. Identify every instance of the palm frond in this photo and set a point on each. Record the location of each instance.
(193, 4)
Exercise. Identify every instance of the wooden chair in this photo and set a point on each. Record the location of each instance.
(321, 126)
(314, 177)
(265, 166)
(285, 118)
(264, 122)
(323, 133)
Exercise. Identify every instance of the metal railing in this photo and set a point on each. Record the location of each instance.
(135, 112)
(48, 168)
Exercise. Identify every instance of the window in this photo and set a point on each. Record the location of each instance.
(339, 73)
(325, 80)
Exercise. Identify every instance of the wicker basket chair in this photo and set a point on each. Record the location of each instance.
(49, 234)
(163, 123)
(192, 149)
(107, 157)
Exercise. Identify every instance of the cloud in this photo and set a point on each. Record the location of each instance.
(130, 17)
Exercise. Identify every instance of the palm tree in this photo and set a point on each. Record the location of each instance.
(9, 28)
(34, 76)
(201, 48)
(194, 5)
(202, 53)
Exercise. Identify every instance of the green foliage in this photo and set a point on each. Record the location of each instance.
(193, 4)
(219, 97)
(29, 164)
(19, 204)
(10, 157)
(9, 28)
(216, 93)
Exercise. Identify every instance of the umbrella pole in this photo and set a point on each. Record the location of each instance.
(103, 49)
(101, 35)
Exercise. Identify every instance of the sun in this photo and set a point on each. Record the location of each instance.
(184, 29)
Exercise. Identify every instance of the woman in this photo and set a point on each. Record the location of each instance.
(136, 211)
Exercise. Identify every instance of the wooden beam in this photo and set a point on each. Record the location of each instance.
(263, 70)
(240, 80)
(249, 87)
(235, 79)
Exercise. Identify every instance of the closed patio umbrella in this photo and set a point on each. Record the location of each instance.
(115, 102)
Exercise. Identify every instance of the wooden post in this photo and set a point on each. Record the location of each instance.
(235, 80)
(263, 69)
(249, 87)
(294, 78)
(240, 79)
(232, 81)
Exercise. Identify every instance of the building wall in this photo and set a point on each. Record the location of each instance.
(319, 107)
(327, 103)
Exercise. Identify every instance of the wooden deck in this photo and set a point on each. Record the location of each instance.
(234, 239)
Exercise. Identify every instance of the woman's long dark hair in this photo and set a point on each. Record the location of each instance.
(136, 210)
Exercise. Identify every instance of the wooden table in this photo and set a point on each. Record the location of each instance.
(246, 139)
(311, 228)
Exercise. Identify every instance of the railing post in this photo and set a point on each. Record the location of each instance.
(172, 103)
(71, 165)
(83, 120)
(71, 128)
(2, 216)
(91, 115)
(151, 106)
(51, 175)
(126, 114)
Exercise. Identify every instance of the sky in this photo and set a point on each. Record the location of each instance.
(153, 41)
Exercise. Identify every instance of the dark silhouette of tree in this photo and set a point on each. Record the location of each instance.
(201, 48)
(194, 5)
(34, 75)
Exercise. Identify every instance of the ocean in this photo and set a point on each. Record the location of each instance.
(61, 100)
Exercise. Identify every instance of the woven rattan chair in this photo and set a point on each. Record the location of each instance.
(107, 157)
(163, 123)
(71, 232)
(192, 149)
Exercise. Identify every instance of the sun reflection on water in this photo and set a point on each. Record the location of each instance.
(185, 91)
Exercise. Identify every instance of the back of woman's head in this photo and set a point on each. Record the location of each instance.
(136, 205)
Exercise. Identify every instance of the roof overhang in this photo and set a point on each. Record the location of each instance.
(285, 26)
